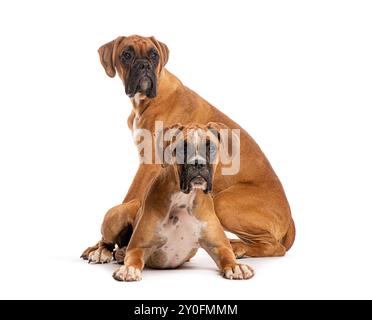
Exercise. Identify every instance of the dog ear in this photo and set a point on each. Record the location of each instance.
(165, 143)
(228, 138)
(163, 50)
(107, 55)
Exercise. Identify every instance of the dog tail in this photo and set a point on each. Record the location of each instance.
(290, 236)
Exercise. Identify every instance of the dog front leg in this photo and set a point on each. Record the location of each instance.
(140, 247)
(215, 242)
(134, 263)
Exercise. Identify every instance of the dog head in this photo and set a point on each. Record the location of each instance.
(138, 62)
(194, 152)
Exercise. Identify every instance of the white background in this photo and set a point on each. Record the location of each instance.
(297, 75)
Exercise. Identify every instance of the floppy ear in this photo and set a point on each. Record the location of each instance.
(228, 139)
(165, 143)
(163, 50)
(107, 55)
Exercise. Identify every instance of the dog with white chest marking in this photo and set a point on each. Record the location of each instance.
(178, 215)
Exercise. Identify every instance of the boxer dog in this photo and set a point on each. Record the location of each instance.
(177, 216)
(250, 203)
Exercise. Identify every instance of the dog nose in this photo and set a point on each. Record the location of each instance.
(199, 165)
(143, 65)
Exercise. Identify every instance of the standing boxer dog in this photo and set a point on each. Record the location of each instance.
(177, 216)
(250, 203)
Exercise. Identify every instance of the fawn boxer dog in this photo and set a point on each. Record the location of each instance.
(177, 215)
(250, 203)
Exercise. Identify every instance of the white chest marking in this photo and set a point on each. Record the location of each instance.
(181, 229)
(137, 98)
(135, 131)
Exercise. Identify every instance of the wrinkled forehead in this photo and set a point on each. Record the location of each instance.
(197, 139)
(140, 45)
(200, 136)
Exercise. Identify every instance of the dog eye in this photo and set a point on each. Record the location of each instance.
(212, 150)
(153, 55)
(126, 56)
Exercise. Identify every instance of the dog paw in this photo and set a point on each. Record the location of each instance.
(125, 273)
(238, 272)
(85, 254)
(101, 255)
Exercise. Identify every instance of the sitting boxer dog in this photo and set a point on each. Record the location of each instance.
(178, 216)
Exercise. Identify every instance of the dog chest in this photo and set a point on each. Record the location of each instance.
(181, 232)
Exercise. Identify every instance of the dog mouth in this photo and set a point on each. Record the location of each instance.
(198, 183)
(144, 85)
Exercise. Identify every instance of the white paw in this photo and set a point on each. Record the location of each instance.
(101, 255)
(125, 273)
(238, 272)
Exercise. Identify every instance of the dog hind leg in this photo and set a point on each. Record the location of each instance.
(259, 216)
(116, 224)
